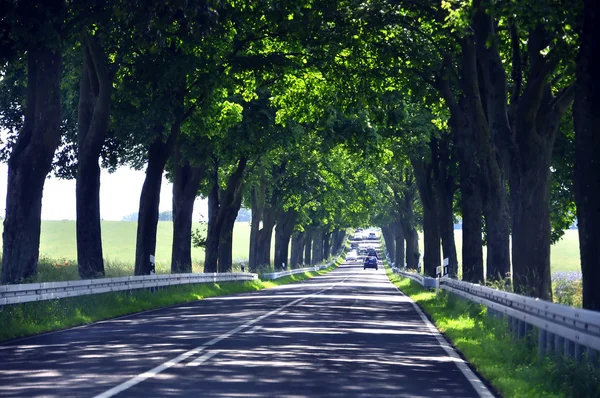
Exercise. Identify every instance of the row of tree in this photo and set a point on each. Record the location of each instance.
(317, 115)
(186, 88)
(497, 99)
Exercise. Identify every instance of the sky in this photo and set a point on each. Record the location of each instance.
(119, 195)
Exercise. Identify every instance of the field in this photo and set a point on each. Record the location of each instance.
(118, 237)
(118, 240)
(564, 255)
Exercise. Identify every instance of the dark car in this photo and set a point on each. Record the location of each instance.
(372, 253)
(354, 245)
(370, 262)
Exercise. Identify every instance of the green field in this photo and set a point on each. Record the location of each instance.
(564, 255)
(118, 241)
(118, 238)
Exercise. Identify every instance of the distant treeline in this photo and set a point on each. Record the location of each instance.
(244, 215)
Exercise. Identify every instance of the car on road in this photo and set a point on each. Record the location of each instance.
(352, 256)
(371, 252)
(370, 262)
(357, 237)
(372, 236)
(363, 250)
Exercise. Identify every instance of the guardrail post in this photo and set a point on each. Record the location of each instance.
(579, 350)
(550, 342)
(515, 325)
(592, 356)
(569, 348)
(559, 345)
(522, 329)
(542, 343)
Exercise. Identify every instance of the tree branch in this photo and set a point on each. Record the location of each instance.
(517, 72)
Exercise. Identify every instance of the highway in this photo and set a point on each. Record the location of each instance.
(349, 333)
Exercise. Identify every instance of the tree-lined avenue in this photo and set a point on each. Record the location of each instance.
(349, 333)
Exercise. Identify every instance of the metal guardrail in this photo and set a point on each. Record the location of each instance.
(561, 329)
(424, 281)
(28, 292)
(276, 275)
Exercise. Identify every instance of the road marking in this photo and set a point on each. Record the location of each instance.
(200, 360)
(172, 362)
(471, 377)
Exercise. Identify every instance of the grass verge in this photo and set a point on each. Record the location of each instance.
(511, 366)
(33, 318)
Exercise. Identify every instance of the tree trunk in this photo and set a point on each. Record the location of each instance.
(317, 247)
(186, 182)
(211, 251)
(93, 117)
(301, 246)
(492, 180)
(257, 211)
(223, 210)
(390, 242)
(587, 148)
(412, 248)
(399, 234)
(158, 154)
(536, 126)
(265, 236)
(531, 234)
(469, 181)
(308, 241)
(431, 226)
(471, 206)
(326, 245)
(445, 193)
(283, 232)
(226, 237)
(336, 242)
(29, 163)
(297, 249)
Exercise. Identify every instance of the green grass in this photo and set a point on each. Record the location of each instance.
(43, 316)
(58, 243)
(564, 255)
(510, 366)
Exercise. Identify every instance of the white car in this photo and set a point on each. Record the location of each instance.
(351, 256)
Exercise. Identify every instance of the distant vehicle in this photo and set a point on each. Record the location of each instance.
(370, 262)
(372, 253)
(359, 229)
(353, 245)
(352, 256)
(357, 237)
(372, 236)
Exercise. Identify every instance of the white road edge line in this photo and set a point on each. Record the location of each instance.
(471, 377)
(172, 362)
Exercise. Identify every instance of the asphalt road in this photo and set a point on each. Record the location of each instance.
(349, 333)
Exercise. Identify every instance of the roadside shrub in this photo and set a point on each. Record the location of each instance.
(567, 288)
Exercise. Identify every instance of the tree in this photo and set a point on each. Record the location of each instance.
(93, 116)
(587, 140)
(31, 157)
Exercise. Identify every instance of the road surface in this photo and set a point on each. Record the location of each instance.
(349, 333)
